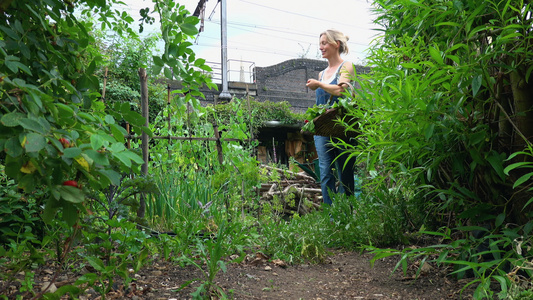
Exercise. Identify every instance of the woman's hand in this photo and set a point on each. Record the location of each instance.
(313, 84)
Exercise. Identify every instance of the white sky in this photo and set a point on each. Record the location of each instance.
(270, 32)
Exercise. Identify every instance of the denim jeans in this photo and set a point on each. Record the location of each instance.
(326, 161)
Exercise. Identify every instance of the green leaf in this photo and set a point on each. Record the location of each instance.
(50, 210)
(34, 142)
(86, 116)
(97, 141)
(27, 182)
(111, 175)
(189, 29)
(435, 54)
(496, 161)
(13, 147)
(499, 220)
(96, 263)
(123, 158)
(117, 147)
(429, 131)
(71, 152)
(12, 119)
(168, 73)
(522, 179)
(70, 213)
(64, 111)
(156, 69)
(118, 132)
(71, 194)
(109, 119)
(134, 118)
(66, 289)
(134, 157)
(476, 84)
(453, 24)
(412, 66)
(158, 61)
(476, 138)
(97, 157)
(511, 167)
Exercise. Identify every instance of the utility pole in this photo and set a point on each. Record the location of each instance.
(224, 95)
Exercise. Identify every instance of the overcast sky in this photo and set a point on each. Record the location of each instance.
(269, 32)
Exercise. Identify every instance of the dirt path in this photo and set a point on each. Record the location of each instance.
(343, 276)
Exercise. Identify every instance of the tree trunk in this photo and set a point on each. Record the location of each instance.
(523, 104)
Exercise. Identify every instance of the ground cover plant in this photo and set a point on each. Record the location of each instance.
(444, 155)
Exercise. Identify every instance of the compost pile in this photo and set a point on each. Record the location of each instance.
(296, 192)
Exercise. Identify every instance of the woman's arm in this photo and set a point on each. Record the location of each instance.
(346, 74)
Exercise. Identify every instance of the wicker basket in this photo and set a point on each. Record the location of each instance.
(328, 124)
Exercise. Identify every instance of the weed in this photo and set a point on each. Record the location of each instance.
(211, 252)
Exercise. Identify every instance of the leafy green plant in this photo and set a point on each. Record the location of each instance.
(486, 255)
(253, 114)
(524, 181)
(428, 112)
(183, 195)
(211, 251)
(112, 254)
(19, 214)
(302, 238)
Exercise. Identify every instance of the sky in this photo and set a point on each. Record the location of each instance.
(264, 33)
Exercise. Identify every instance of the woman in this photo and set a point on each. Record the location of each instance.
(333, 43)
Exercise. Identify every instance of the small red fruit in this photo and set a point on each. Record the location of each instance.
(71, 183)
(64, 142)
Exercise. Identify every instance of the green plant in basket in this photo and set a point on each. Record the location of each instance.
(311, 114)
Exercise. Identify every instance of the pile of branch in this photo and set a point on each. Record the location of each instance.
(297, 192)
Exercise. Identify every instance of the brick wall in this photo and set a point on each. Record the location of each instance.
(282, 82)
(286, 82)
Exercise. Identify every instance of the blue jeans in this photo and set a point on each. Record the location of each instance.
(326, 156)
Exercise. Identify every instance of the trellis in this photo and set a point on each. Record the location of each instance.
(145, 139)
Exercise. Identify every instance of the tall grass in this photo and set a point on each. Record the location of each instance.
(182, 198)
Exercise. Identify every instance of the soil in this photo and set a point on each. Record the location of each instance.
(343, 275)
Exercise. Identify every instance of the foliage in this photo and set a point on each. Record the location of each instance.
(344, 104)
(52, 127)
(211, 251)
(522, 165)
(378, 217)
(499, 255)
(444, 106)
(113, 248)
(303, 238)
(19, 214)
(255, 113)
(436, 88)
(61, 146)
(122, 59)
(187, 200)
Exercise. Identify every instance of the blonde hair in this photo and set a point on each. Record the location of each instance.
(333, 36)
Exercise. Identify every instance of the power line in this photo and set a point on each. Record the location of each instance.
(238, 25)
(302, 15)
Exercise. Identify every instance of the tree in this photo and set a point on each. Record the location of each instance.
(53, 128)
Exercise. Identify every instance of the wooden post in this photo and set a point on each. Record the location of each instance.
(144, 109)
(219, 144)
(128, 140)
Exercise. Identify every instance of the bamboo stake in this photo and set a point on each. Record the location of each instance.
(144, 109)
(105, 83)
